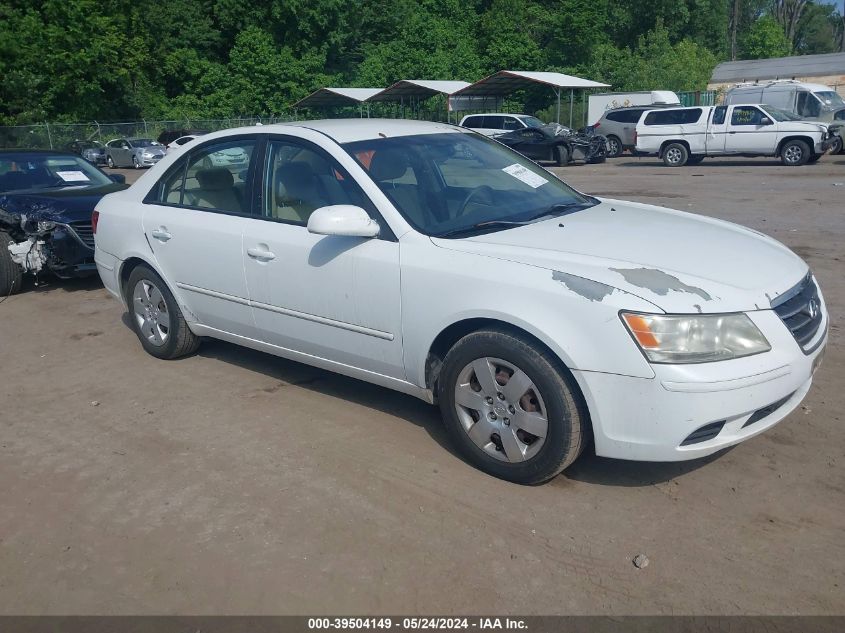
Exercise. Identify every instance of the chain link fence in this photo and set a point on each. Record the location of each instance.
(59, 135)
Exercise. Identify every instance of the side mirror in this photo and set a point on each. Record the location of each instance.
(118, 178)
(342, 219)
(765, 121)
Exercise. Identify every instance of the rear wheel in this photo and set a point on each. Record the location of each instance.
(561, 155)
(11, 274)
(510, 408)
(614, 147)
(675, 155)
(795, 153)
(156, 317)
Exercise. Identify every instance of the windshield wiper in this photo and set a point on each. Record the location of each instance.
(554, 210)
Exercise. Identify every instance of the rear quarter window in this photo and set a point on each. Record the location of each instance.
(673, 117)
(473, 121)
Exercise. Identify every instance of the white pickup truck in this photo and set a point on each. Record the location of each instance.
(682, 136)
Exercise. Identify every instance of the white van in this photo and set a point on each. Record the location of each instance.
(682, 136)
(809, 101)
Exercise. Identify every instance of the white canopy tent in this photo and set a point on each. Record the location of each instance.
(505, 82)
(329, 97)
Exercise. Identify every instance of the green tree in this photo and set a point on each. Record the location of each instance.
(764, 39)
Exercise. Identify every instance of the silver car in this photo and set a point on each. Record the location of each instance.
(618, 127)
(133, 152)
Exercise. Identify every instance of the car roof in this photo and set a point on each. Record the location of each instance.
(352, 130)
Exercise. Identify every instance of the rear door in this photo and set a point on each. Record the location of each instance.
(193, 221)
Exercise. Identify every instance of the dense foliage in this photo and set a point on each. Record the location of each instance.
(113, 59)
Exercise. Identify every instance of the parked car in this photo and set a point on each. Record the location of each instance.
(683, 136)
(557, 144)
(175, 144)
(168, 136)
(92, 151)
(811, 102)
(837, 131)
(619, 127)
(442, 264)
(499, 123)
(46, 199)
(133, 152)
(602, 102)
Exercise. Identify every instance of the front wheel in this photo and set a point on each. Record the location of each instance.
(11, 274)
(136, 163)
(110, 162)
(561, 155)
(156, 317)
(614, 147)
(675, 155)
(795, 153)
(510, 408)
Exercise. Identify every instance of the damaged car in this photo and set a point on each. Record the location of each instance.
(46, 201)
(558, 144)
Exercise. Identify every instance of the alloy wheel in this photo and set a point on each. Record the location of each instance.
(674, 155)
(501, 409)
(793, 154)
(150, 311)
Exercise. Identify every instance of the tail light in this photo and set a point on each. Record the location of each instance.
(635, 137)
(95, 217)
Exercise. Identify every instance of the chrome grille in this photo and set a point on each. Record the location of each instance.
(801, 310)
(84, 231)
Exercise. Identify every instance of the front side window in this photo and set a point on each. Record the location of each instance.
(213, 177)
(746, 115)
(449, 185)
(300, 179)
(808, 105)
(511, 123)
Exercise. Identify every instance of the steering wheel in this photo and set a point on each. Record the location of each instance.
(472, 194)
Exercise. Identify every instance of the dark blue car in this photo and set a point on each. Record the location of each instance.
(46, 201)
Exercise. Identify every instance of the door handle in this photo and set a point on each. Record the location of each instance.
(161, 234)
(261, 253)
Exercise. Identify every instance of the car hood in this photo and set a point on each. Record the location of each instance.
(65, 204)
(680, 262)
(153, 149)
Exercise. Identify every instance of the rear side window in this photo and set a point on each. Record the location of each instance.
(614, 116)
(493, 123)
(673, 117)
(839, 116)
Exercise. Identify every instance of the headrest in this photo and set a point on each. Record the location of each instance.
(295, 181)
(215, 179)
(388, 164)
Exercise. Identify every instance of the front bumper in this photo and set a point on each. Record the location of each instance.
(149, 162)
(654, 419)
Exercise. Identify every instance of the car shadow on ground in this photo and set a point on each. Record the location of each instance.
(589, 468)
(707, 163)
(53, 284)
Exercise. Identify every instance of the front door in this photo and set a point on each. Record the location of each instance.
(194, 224)
(332, 297)
(749, 132)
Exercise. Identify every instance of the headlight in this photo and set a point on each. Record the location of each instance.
(688, 338)
(148, 155)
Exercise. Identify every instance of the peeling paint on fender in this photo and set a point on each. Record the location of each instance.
(658, 281)
(587, 288)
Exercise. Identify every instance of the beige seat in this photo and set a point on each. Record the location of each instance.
(216, 190)
(298, 192)
(389, 166)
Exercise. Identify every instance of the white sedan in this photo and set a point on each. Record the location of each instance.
(431, 260)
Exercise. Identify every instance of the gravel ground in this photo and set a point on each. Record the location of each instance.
(235, 482)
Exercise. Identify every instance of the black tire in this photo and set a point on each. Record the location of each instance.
(614, 147)
(136, 163)
(795, 153)
(837, 146)
(110, 161)
(561, 155)
(180, 340)
(675, 155)
(695, 160)
(11, 274)
(567, 417)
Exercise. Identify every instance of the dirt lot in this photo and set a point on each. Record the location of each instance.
(236, 482)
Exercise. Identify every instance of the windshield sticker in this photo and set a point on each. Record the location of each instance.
(525, 175)
(73, 176)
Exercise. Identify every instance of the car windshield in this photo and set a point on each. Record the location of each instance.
(143, 142)
(456, 184)
(532, 121)
(830, 98)
(46, 171)
(781, 115)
